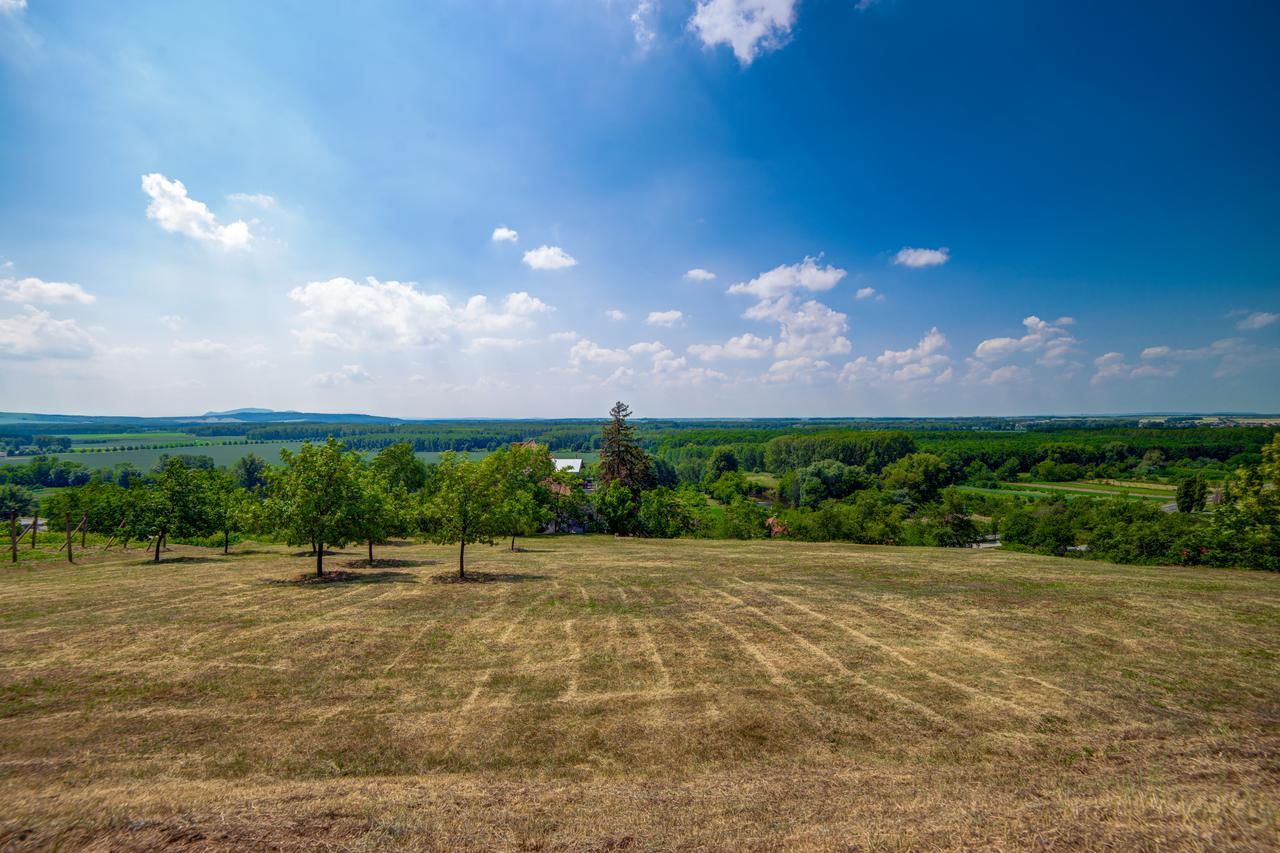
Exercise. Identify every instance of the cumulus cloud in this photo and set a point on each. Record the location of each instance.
(615, 315)
(664, 318)
(800, 369)
(349, 314)
(1051, 340)
(917, 258)
(36, 334)
(667, 368)
(1257, 320)
(12, 6)
(699, 274)
(865, 293)
(749, 27)
(260, 199)
(924, 361)
(348, 374)
(503, 234)
(33, 291)
(549, 258)
(810, 329)
(590, 352)
(178, 213)
(1231, 356)
(203, 348)
(790, 278)
(743, 346)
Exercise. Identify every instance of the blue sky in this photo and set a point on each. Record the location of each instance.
(516, 208)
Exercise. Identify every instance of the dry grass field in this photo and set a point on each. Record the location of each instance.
(606, 693)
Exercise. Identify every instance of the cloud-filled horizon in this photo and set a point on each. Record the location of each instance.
(710, 208)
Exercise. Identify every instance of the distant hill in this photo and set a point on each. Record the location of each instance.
(248, 416)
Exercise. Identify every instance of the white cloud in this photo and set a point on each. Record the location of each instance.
(812, 329)
(172, 322)
(917, 258)
(1051, 340)
(1257, 320)
(865, 293)
(348, 374)
(699, 274)
(743, 346)
(923, 361)
(506, 344)
(664, 318)
(615, 315)
(33, 291)
(667, 368)
(1008, 373)
(784, 279)
(203, 348)
(178, 213)
(799, 369)
(549, 258)
(590, 352)
(12, 6)
(642, 23)
(503, 234)
(1233, 356)
(260, 199)
(349, 314)
(749, 27)
(1113, 366)
(36, 334)
(562, 336)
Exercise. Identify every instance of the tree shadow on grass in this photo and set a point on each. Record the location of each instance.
(388, 563)
(338, 576)
(487, 577)
(169, 561)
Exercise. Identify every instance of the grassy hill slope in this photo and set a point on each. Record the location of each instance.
(603, 692)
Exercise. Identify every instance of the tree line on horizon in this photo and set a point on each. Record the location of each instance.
(867, 486)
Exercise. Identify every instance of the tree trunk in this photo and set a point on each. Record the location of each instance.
(513, 541)
(35, 527)
(371, 552)
(320, 559)
(159, 539)
(70, 559)
(226, 541)
(462, 566)
(313, 546)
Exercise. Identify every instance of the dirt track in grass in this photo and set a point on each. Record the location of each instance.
(631, 693)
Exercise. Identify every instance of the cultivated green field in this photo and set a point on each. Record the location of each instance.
(608, 693)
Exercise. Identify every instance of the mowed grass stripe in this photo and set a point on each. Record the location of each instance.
(648, 665)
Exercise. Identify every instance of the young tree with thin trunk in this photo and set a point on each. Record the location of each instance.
(523, 474)
(376, 515)
(463, 508)
(313, 496)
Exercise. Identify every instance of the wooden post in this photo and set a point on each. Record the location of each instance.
(70, 559)
(13, 533)
(35, 525)
(84, 528)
